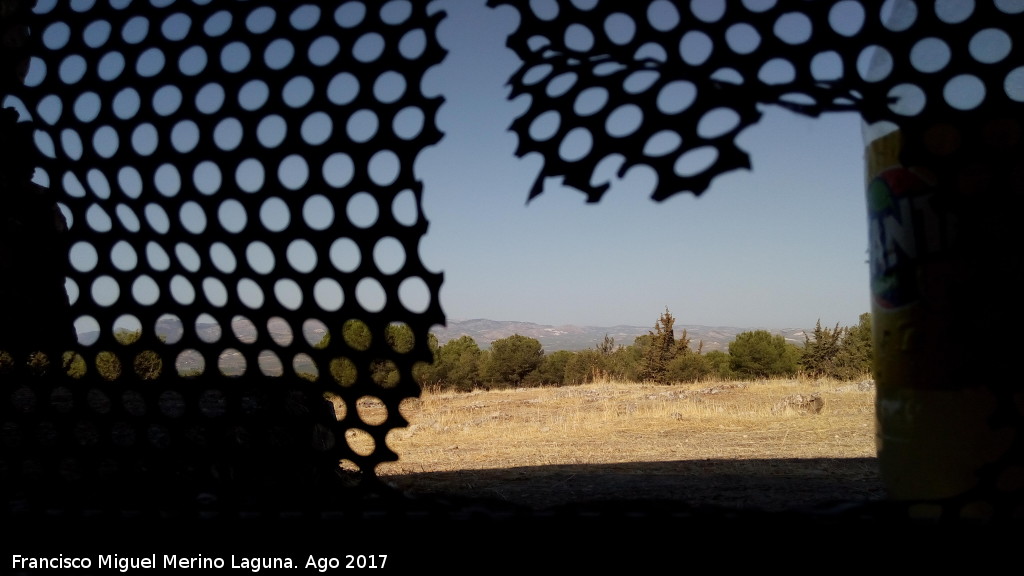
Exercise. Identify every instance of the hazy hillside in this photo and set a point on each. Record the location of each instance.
(483, 331)
(581, 337)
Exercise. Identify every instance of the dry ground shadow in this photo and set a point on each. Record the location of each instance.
(770, 445)
(750, 485)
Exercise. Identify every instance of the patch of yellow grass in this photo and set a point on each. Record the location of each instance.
(618, 422)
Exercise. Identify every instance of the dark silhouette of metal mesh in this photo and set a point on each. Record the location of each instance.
(670, 85)
(243, 227)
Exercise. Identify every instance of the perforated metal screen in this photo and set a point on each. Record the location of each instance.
(670, 85)
(243, 226)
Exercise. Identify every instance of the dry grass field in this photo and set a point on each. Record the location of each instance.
(761, 445)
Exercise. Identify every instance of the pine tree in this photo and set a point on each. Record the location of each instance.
(819, 356)
(854, 359)
(513, 358)
(760, 354)
(683, 344)
(841, 353)
(660, 347)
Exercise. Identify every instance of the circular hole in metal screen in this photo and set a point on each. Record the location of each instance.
(323, 50)
(371, 295)
(576, 145)
(301, 256)
(279, 54)
(190, 363)
(315, 333)
(293, 172)
(328, 294)
(232, 363)
(105, 291)
(182, 290)
(123, 256)
(157, 257)
(280, 331)
(87, 329)
(250, 293)
(288, 293)
(318, 212)
(317, 128)
(298, 91)
(384, 168)
(260, 257)
(223, 258)
(990, 46)
(389, 87)
(362, 210)
(345, 255)
(145, 290)
(415, 294)
(389, 255)
(244, 329)
(169, 328)
(83, 256)
(215, 291)
(274, 214)
(964, 92)
(227, 135)
(269, 364)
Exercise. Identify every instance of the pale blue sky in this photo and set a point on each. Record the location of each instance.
(779, 246)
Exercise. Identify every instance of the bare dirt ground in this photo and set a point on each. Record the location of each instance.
(766, 446)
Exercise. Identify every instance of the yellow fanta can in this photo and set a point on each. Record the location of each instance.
(938, 433)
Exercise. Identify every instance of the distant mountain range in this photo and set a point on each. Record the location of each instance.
(483, 331)
(554, 338)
